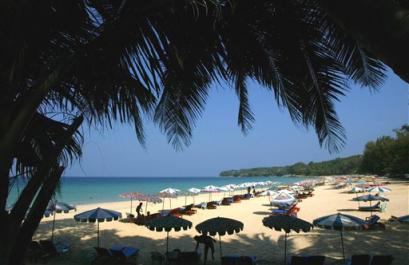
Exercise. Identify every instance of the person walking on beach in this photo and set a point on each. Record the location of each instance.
(138, 209)
(208, 243)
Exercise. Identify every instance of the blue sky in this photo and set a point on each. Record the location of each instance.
(218, 143)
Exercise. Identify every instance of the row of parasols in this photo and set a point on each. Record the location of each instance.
(221, 226)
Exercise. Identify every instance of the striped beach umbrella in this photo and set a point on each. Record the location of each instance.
(340, 222)
(168, 193)
(167, 223)
(378, 189)
(97, 215)
(288, 224)
(220, 226)
(210, 189)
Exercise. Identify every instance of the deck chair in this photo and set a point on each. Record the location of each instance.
(316, 260)
(102, 252)
(48, 247)
(35, 252)
(360, 260)
(298, 260)
(382, 260)
(372, 223)
(125, 253)
(372, 208)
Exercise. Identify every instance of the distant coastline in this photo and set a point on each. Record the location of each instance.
(339, 166)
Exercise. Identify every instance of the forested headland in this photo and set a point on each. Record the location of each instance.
(386, 156)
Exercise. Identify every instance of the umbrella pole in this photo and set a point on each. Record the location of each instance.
(220, 247)
(185, 200)
(342, 244)
(52, 230)
(285, 248)
(131, 205)
(170, 203)
(163, 204)
(167, 244)
(97, 234)
(146, 208)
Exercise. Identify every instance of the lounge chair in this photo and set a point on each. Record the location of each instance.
(382, 260)
(307, 260)
(246, 196)
(102, 252)
(227, 201)
(360, 260)
(175, 212)
(236, 198)
(188, 210)
(123, 253)
(189, 257)
(211, 206)
(239, 260)
(48, 247)
(201, 205)
(372, 208)
(35, 252)
(372, 223)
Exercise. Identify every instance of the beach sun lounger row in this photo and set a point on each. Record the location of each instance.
(115, 253)
(368, 260)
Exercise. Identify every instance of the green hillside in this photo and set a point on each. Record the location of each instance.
(339, 166)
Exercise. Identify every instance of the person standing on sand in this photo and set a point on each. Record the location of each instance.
(138, 209)
(248, 190)
(208, 243)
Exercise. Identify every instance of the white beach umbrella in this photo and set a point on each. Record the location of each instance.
(283, 198)
(170, 191)
(194, 192)
(225, 189)
(378, 189)
(210, 189)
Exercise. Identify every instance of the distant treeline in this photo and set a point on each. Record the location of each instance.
(385, 156)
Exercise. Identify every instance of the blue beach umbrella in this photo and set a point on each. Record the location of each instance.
(58, 207)
(340, 222)
(97, 215)
(404, 219)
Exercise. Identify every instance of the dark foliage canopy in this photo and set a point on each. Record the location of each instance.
(118, 60)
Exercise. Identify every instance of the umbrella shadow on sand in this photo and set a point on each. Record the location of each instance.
(82, 238)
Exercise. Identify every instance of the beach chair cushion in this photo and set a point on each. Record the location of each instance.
(382, 260)
(360, 260)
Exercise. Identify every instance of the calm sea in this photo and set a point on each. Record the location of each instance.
(83, 190)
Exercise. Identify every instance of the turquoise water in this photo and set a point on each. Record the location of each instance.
(83, 190)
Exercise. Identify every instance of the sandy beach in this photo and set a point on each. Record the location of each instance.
(255, 239)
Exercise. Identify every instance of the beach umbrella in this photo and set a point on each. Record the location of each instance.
(288, 224)
(167, 223)
(168, 193)
(97, 215)
(194, 192)
(404, 219)
(283, 198)
(220, 226)
(150, 198)
(370, 198)
(210, 189)
(137, 196)
(225, 189)
(58, 207)
(340, 222)
(378, 189)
